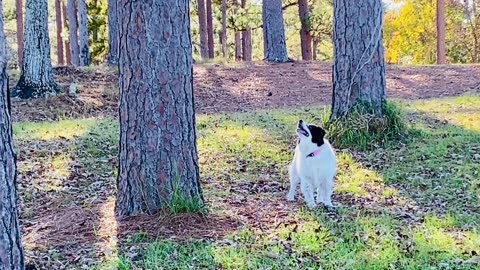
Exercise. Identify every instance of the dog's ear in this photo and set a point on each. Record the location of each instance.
(318, 134)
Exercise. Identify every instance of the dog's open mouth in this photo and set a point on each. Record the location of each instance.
(301, 130)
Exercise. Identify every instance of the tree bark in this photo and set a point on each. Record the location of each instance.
(36, 79)
(359, 65)
(246, 39)
(211, 46)
(113, 34)
(305, 37)
(238, 37)
(83, 33)
(11, 252)
(441, 54)
(202, 23)
(274, 44)
(68, 57)
(20, 37)
(58, 21)
(223, 35)
(157, 117)
(72, 32)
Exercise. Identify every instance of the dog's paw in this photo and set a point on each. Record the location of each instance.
(329, 208)
(290, 197)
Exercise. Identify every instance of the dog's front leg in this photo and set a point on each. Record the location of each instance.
(294, 180)
(307, 192)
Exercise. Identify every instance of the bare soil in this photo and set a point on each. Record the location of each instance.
(246, 87)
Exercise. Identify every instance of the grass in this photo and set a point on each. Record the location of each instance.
(408, 205)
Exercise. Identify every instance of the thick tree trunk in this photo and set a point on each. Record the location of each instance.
(274, 44)
(20, 37)
(246, 39)
(223, 33)
(59, 24)
(72, 32)
(36, 79)
(113, 33)
(157, 117)
(305, 37)
(441, 54)
(11, 252)
(238, 37)
(359, 65)
(68, 57)
(83, 33)
(211, 46)
(202, 24)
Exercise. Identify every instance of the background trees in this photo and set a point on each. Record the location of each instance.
(158, 155)
(36, 79)
(274, 44)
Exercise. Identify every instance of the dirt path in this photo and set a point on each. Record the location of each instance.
(246, 87)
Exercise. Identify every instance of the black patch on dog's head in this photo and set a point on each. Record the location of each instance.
(317, 134)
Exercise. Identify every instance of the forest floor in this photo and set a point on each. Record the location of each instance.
(412, 205)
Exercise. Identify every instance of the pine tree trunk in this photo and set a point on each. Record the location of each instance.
(314, 48)
(83, 33)
(58, 21)
(202, 24)
(20, 37)
(211, 46)
(441, 54)
(274, 44)
(11, 252)
(157, 117)
(305, 37)
(95, 29)
(238, 37)
(246, 39)
(72, 32)
(359, 65)
(68, 57)
(113, 33)
(36, 79)
(223, 33)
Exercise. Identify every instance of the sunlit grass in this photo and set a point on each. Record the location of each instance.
(47, 131)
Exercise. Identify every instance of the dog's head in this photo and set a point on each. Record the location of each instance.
(310, 136)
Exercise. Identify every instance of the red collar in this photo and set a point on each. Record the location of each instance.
(314, 153)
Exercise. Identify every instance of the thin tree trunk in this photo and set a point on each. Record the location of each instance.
(113, 34)
(223, 35)
(58, 21)
(158, 153)
(359, 65)
(441, 54)
(95, 29)
(11, 252)
(68, 57)
(211, 46)
(36, 79)
(83, 33)
(305, 37)
(202, 24)
(72, 32)
(274, 44)
(314, 49)
(238, 37)
(20, 37)
(246, 38)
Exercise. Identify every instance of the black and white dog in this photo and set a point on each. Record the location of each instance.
(313, 166)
